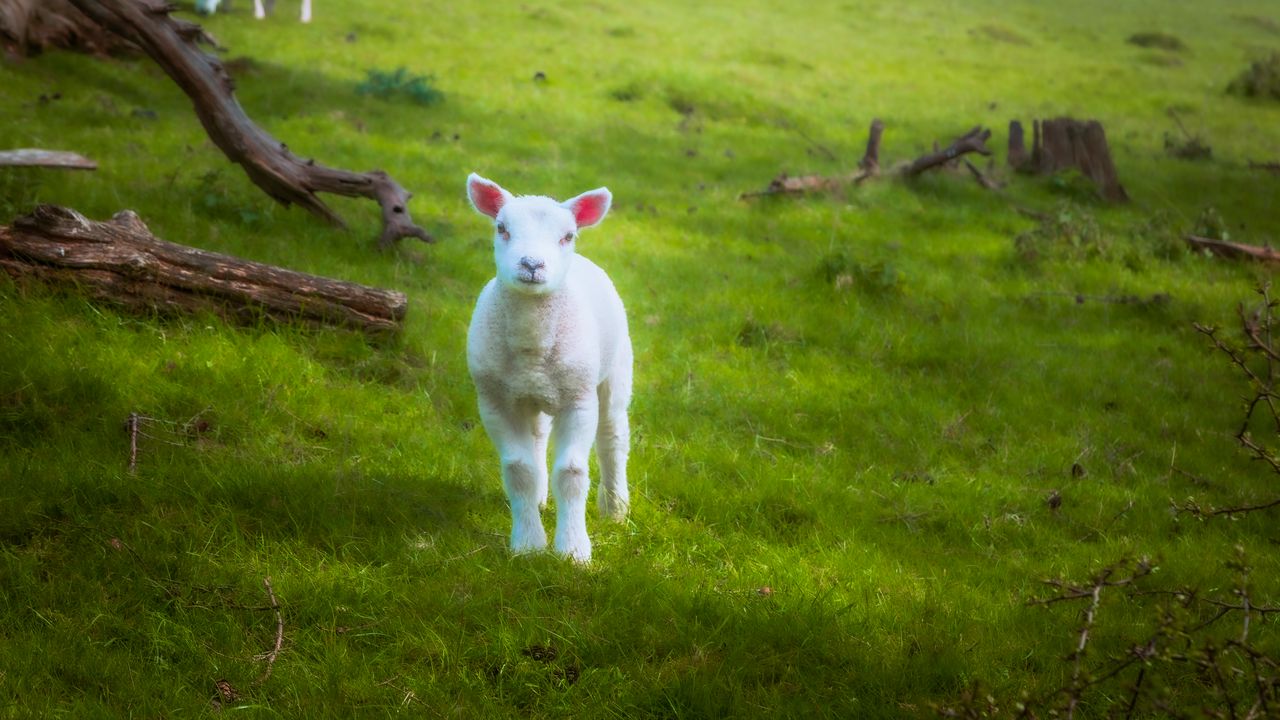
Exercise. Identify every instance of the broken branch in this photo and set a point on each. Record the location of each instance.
(1225, 248)
(121, 261)
(973, 141)
(171, 43)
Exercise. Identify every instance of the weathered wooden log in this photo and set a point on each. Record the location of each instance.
(172, 44)
(1065, 143)
(122, 262)
(973, 141)
(870, 163)
(1017, 146)
(1225, 248)
(35, 157)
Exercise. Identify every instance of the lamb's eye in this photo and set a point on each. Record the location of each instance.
(502, 230)
(568, 238)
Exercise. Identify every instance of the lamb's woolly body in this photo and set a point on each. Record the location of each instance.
(550, 354)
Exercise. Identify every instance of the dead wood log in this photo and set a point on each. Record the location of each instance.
(1273, 167)
(1017, 146)
(1225, 248)
(35, 157)
(870, 163)
(1065, 143)
(171, 43)
(120, 261)
(973, 141)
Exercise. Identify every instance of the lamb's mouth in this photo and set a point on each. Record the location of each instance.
(531, 279)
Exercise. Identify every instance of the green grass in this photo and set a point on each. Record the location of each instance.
(860, 401)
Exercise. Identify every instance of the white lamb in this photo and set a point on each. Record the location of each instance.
(550, 354)
(209, 7)
(260, 12)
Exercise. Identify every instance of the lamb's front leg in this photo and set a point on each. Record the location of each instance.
(573, 431)
(523, 471)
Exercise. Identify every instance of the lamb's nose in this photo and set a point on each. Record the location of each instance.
(531, 264)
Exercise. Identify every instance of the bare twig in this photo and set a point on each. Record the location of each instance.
(270, 657)
(133, 421)
(982, 179)
(823, 149)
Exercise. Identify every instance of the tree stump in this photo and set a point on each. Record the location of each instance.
(1065, 143)
(120, 261)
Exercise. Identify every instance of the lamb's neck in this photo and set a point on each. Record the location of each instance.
(532, 320)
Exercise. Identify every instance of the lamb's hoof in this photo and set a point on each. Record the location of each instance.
(530, 542)
(580, 553)
(613, 507)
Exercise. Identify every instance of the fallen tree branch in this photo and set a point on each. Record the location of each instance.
(121, 261)
(1271, 166)
(973, 141)
(35, 157)
(1225, 248)
(171, 43)
(978, 175)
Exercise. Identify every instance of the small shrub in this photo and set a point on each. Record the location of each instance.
(629, 92)
(399, 83)
(1158, 40)
(756, 334)
(999, 33)
(1210, 225)
(1191, 148)
(1260, 80)
(1068, 232)
(876, 278)
(1157, 237)
(1265, 24)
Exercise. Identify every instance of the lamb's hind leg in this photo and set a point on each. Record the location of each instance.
(613, 442)
(512, 433)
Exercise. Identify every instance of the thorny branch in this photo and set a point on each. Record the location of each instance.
(1093, 591)
(1240, 679)
(1259, 361)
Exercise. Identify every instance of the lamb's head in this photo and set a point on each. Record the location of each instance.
(534, 236)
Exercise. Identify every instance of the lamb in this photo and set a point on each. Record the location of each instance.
(209, 7)
(260, 12)
(550, 355)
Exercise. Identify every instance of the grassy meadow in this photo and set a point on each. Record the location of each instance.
(850, 408)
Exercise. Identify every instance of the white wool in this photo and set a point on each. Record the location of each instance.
(550, 354)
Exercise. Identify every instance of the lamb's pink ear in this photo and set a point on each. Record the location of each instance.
(486, 196)
(590, 207)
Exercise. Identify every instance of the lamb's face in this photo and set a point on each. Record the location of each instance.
(533, 244)
(534, 237)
